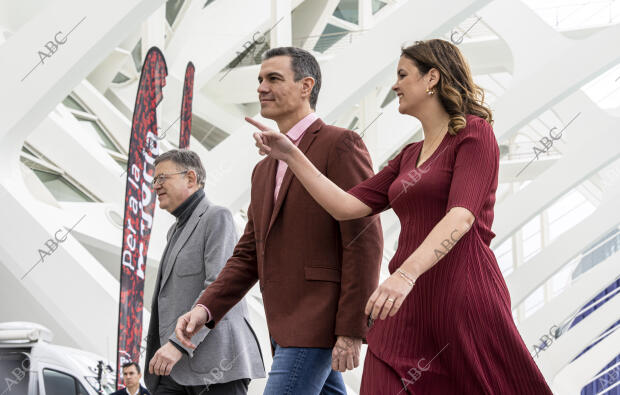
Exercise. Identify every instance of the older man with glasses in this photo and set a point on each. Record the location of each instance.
(199, 243)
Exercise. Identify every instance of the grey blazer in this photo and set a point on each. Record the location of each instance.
(226, 353)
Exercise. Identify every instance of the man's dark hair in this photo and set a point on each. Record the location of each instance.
(129, 364)
(185, 160)
(303, 65)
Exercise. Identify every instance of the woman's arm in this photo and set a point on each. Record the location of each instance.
(439, 241)
(341, 205)
(435, 246)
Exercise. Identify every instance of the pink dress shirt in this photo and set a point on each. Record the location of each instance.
(295, 134)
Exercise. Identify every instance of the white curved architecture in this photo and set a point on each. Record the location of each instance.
(69, 72)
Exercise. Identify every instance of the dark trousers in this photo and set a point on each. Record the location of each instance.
(167, 386)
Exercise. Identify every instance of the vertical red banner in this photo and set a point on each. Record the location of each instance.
(139, 208)
(186, 106)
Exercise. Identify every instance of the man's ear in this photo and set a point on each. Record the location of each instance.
(307, 84)
(193, 178)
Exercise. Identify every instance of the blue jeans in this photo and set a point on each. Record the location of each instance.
(303, 371)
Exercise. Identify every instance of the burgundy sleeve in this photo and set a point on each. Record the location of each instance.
(236, 278)
(475, 168)
(374, 191)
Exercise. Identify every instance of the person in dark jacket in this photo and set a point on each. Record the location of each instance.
(131, 378)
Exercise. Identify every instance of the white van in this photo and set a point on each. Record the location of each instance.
(31, 365)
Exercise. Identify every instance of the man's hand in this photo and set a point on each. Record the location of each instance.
(189, 324)
(346, 353)
(270, 142)
(164, 360)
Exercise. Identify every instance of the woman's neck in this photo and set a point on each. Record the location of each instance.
(434, 119)
(434, 126)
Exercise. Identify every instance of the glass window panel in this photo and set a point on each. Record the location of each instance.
(562, 279)
(348, 11)
(172, 10)
(565, 15)
(26, 150)
(136, 54)
(377, 5)
(122, 163)
(330, 36)
(251, 55)
(353, 123)
(534, 302)
(81, 390)
(388, 98)
(98, 133)
(503, 253)
(57, 383)
(72, 103)
(60, 188)
(532, 227)
(119, 78)
(567, 212)
(531, 247)
(531, 238)
(14, 364)
(206, 133)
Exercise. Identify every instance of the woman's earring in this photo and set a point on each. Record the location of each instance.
(430, 92)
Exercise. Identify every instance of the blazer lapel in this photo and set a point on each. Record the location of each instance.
(191, 224)
(159, 269)
(263, 185)
(270, 182)
(304, 144)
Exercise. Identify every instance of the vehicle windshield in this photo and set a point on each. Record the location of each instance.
(15, 369)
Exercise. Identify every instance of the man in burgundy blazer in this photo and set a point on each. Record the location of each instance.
(316, 274)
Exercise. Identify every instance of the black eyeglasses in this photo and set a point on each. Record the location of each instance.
(160, 179)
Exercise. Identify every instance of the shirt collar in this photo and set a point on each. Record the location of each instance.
(300, 127)
(136, 393)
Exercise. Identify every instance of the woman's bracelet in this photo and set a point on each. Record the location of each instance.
(411, 283)
(406, 276)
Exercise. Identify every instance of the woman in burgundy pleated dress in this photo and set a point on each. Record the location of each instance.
(443, 318)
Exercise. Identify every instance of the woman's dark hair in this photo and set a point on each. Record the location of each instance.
(456, 89)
